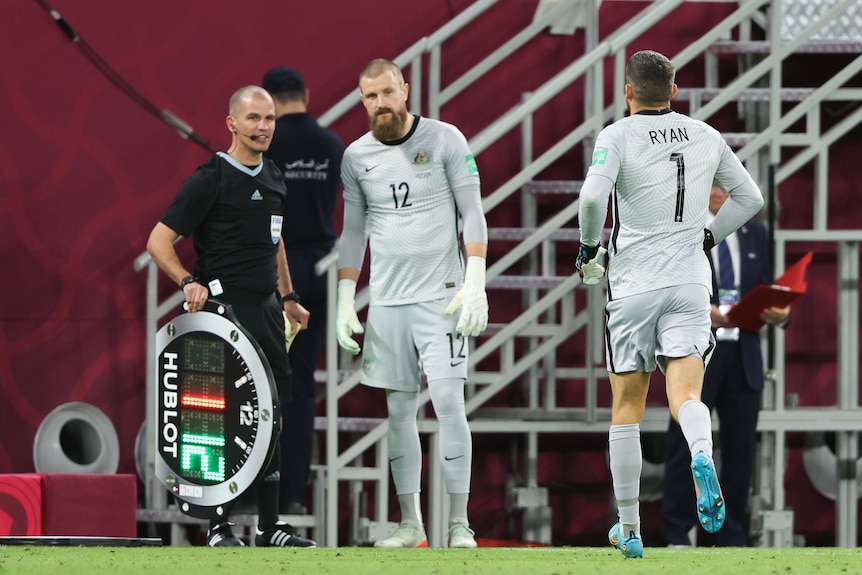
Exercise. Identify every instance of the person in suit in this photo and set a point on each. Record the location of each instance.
(733, 386)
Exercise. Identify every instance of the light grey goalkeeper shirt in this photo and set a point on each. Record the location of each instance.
(407, 195)
(659, 167)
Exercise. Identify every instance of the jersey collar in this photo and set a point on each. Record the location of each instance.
(241, 167)
(654, 112)
(405, 137)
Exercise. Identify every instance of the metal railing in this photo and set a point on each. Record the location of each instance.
(614, 47)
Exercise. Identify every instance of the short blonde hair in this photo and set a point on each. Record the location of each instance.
(380, 66)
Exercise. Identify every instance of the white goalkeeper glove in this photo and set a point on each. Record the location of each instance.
(472, 300)
(589, 264)
(346, 320)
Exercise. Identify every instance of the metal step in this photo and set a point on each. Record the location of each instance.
(764, 47)
(350, 423)
(738, 139)
(553, 186)
(520, 234)
(531, 330)
(526, 282)
(749, 95)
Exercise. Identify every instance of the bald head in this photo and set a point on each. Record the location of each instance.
(246, 93)
(251, 121)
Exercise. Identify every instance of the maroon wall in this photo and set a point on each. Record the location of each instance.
(86, 173)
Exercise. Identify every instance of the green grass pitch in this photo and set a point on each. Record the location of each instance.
(39, 560)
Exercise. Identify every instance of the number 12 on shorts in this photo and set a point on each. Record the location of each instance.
(456, 349)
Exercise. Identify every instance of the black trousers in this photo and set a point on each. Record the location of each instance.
(263, 319)
(737, 406)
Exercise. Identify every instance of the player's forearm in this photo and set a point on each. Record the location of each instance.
(593, 208)
(351, 244)
(479, 249)
(468, 199)
(348, 274)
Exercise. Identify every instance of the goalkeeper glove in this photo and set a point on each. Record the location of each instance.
(472, 300)
(346, 320)
(588, 264)
(708, 240)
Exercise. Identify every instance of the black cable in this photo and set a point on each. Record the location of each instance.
(166, 116)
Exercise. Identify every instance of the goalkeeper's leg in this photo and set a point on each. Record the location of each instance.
(626, 459)
(405, 461)
(405, 450)
(456, 456)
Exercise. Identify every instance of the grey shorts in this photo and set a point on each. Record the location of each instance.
(645, 329)
(406, 341)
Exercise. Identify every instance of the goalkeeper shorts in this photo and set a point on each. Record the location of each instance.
(644, 330)
(404, 342)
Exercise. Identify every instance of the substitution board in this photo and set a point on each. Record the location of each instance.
(216, 410)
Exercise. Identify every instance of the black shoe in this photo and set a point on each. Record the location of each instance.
(281, 535)
(222, 536)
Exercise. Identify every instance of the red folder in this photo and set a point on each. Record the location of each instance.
(746, 314)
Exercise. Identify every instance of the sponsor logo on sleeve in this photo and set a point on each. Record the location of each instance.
(472, 168)
(600, 156)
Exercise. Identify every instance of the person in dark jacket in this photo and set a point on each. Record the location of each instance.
(309, 156)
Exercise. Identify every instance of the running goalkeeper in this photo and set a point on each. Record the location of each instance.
(659, 166)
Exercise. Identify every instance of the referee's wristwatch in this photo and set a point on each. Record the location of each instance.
(292, 296)
(188, 280)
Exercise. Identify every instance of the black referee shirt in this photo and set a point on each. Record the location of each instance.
(235, 216)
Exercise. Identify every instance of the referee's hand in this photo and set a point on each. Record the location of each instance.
(196, 296)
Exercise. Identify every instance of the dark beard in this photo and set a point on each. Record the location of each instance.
(389, 127)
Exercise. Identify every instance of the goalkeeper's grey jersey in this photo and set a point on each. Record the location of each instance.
(662, 165)
(405, 188)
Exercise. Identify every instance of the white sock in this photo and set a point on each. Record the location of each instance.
(458, 507)
(626, 462)
(411, 509)
(696, 425)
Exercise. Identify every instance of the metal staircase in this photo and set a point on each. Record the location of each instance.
(550, 316)
(530, 349)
